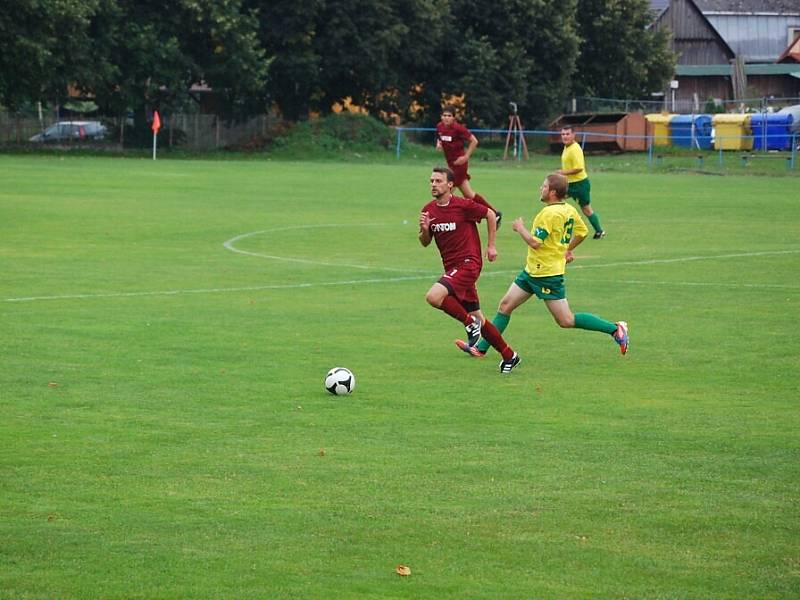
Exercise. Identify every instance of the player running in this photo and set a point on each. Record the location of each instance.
(451, 137)
(557, 230)
(573, 165)
(452, 222)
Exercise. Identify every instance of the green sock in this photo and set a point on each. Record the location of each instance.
(501, 322)
(595, 221)
(593, 323)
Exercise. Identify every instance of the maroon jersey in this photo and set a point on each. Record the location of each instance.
(452, 140)
(454, 228)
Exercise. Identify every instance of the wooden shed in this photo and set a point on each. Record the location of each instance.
(606, 132)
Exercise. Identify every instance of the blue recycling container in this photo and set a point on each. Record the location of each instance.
(772, 131)
(681, 134)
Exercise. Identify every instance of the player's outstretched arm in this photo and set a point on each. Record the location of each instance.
(519, 226)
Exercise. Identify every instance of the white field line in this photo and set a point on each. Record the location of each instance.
(657, 261)
(760, 286)
(230, 245)
(427, 275)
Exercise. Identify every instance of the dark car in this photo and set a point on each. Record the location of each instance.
(72, 131)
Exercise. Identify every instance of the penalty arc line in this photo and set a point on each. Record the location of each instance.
(412, 278)
(230, 245)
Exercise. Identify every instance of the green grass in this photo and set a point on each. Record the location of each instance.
(166, 433)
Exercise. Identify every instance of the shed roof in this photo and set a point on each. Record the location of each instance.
(659, 6)
(782, 7)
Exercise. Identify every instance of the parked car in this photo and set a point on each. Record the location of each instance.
(72, 131)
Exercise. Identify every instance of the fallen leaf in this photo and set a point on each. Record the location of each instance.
(52, 384)
(403, 570)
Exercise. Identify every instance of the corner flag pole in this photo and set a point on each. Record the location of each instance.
(156, 126)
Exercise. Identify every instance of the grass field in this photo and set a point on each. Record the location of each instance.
(166, 327)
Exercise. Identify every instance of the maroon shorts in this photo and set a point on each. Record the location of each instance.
(460, 282)
(460, 174)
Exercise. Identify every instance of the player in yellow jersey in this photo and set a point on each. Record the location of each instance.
(557, 230)
(573, 165)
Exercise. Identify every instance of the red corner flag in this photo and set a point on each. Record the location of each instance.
(156, 122)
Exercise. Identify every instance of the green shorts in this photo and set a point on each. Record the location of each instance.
(581, 191)
(545, 288)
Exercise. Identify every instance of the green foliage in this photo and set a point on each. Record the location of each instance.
(620, 56)
(398, 59)
(713, 107)
(44, 48)
(287, 29)
(356, 47)
(333, 135)
(509, 51)
(149, 57)
(373, 54)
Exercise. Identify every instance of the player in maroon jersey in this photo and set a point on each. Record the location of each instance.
(451, 137)
(452, 222)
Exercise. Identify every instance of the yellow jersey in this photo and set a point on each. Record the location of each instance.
(572, 158)
(554, 226)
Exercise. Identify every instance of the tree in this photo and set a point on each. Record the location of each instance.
(148, 56)
(620, 56)
(356, 46)
(43, 45)
(415, 94)
(288, 29)
(520, 51)
(405, 57)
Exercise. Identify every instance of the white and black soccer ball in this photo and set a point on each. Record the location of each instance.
(340, 381)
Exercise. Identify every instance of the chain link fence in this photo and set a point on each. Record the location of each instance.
(587, 104)
(202, 132)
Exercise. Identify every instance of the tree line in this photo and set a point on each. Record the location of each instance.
(395, 58)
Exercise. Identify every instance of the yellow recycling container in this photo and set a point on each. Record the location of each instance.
(732, 132)
(660, 123)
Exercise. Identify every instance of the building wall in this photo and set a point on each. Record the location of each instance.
(757, 37)
(693, 38)
(780, 86)
(705, 88)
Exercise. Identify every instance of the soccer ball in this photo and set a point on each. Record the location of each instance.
(340, 381)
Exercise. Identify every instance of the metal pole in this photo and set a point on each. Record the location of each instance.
(397, 144)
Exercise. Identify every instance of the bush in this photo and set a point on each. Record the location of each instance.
(343, 132)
